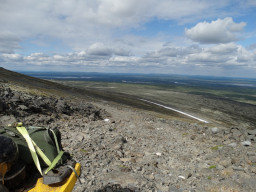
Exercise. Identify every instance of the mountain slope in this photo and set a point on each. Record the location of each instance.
(28, 82)
(132, 150)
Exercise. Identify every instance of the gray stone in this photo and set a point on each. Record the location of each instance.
(174, 189)
(250, 153)
(236, 168)
(15, 97)
(236, 133)
(251, 132)
(249, 184)
(215, 130)
(246, 143)
(225, 162)
(219, 167)
(132, 186)
(252, 159)
(250, 137)
(193, 137)
(6, 93)
(6, 120)
(232, 145)
(22, 107)
(79, 137)
(83, 180)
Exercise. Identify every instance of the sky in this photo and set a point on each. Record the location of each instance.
(191, 37)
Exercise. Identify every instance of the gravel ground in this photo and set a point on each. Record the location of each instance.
(124, 149)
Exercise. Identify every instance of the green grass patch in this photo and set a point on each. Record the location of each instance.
(84, 151)
(217, 147)
(212, 167)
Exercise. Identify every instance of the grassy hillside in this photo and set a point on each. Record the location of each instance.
(209, 103)
(38, 86)
(210, 106)
(35, 85)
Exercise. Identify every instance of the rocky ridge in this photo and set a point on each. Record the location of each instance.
(124, 149)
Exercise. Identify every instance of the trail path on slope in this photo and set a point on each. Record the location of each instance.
(183, 113)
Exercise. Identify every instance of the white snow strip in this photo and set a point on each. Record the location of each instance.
(176, 111)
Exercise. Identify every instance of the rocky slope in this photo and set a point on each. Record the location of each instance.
(125, 149)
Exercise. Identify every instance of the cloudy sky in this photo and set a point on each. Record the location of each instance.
(195, 37)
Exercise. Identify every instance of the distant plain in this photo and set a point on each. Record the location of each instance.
(219, 100)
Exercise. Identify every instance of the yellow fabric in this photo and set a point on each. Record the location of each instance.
(41, 153)
(65, 186)
(23, 131)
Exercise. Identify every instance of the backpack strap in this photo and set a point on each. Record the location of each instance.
(34, 149)
(56, 140)
(41, 153)
(23, 131)
(57, 146)
(54, 162)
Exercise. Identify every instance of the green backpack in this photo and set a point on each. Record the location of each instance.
(40, 146)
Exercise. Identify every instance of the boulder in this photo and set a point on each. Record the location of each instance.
(6, 120)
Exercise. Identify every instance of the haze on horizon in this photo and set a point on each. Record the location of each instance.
(193, 37)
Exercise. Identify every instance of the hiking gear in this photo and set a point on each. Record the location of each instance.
(8, 155)
(66, 186)
(31, 147)
(8, 149)
(34, 149)
(40, 146)
(42, 138)
(16, 176)
(60, 173)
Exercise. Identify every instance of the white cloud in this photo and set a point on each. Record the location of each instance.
(219, 31)
(220, 57)
(12, 57)
(228, 48)
(207, 58)
(81, 23)
(100, 33)
(168, 51)
(132, 12)
(99, 49)
(124, 59)
(8, 42)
